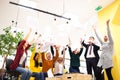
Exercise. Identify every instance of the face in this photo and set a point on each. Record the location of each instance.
(25, 45)
(91, 40)
(75, 51)
(37, 56)
(60, 59)
(105, 38)
(48, 56)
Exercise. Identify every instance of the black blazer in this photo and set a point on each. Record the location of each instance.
(95, 50)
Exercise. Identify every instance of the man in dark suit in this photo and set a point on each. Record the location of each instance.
(91, 56)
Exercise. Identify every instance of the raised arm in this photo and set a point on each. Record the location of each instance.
(63, 51)
(69, 42)
(33, 52)
(83, 43)
(109, 32)
(35, 40)
(28, 34)
(81, 47)
(94, 28)
(69, 45)
(57, 53)
(43, 56)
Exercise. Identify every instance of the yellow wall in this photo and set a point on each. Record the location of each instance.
(110, 13)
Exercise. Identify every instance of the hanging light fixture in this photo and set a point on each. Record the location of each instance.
(60, 16)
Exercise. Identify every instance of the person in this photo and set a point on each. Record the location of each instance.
(35, 61)
(107, 52)
(18, 63)
(91, 56)
(74, 58)
(48, 62)
(35, 65)
(59, 64)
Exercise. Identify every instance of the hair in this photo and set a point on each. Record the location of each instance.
(91, 37)
(36, 61)
(52, 50)
(19, 43)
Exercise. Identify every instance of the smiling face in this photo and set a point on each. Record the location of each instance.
(60, 60)
(48, 56)
(105, 38)
(36, 56)
(75, 51)
(91, 40)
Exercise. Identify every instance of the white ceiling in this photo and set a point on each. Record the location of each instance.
(83, 10)
(82, 13)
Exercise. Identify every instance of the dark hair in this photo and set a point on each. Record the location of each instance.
(91, 37)
(36, 61)
(19, 43)
(52, 50)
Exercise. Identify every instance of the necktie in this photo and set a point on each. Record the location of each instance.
(90, 49)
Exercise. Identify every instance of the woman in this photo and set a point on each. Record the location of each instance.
(20, 58)
(48, 61)
(35, 61)
(74, 58)
(59, 64)
(107, 52)
(35, 66)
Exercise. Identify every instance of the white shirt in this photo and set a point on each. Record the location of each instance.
(58, 68)
(22, 58)
(92, 53)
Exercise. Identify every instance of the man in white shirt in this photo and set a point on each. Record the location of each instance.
(91, 56)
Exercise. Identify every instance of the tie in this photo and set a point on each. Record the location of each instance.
(90, 49)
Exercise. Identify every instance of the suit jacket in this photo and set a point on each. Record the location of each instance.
(95, 50)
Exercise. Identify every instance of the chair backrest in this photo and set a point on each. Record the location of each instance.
(8, 63)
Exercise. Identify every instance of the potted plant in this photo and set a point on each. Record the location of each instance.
(8, 43)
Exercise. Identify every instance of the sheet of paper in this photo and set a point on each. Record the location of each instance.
(50, 74)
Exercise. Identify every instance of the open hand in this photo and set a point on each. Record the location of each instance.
(94, 27)
(107, 22)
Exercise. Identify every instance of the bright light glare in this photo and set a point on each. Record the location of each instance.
(27, 3)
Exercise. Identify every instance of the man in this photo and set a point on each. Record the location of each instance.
(91, 56)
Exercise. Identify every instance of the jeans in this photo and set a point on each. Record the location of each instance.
(39, 76)
(25, 73)
(74, 69)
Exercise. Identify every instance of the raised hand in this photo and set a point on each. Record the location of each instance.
(57, 47)
(30, 29)
(94, 27)
(107, 22)
(64, 48)
(69, 41)
(80, 40)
